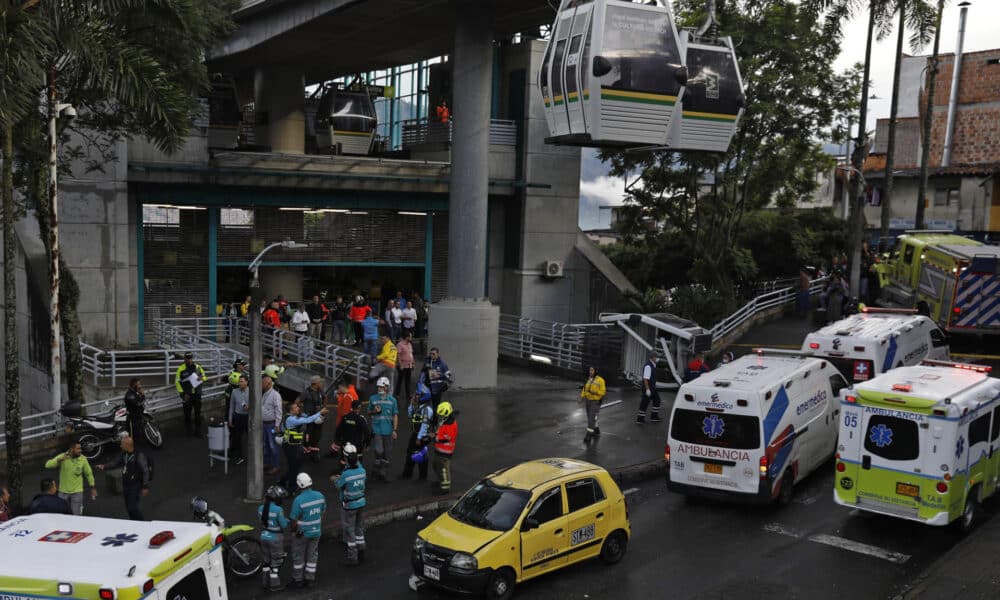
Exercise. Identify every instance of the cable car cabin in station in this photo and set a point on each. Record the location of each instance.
(346, 120)
(612, 75)
(713, 97)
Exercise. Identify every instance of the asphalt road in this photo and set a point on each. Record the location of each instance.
(689, 550)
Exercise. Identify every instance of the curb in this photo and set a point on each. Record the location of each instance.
(410, 509)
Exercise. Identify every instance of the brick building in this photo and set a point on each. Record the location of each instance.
(965, 195)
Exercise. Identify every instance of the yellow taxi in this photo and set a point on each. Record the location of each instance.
(521, 522)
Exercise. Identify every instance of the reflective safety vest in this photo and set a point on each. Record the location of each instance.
(293, 435)
(352, 487)
(447, 433)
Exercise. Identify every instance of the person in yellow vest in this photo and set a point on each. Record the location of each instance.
(385, 362)
(592, 396)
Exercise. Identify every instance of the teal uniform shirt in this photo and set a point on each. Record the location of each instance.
(308, 510)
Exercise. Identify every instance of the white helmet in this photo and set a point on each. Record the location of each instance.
(304, 480)
(350, 448)
(382, 382)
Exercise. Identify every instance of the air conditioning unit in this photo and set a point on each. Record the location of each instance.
(553, 268)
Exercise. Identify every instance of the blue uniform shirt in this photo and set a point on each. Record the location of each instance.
(352, 487)
(382, 422)
(308, 510)
(276, 522)
(370, 328)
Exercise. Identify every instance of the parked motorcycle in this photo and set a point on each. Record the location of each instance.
(241, 550)
(95, 432)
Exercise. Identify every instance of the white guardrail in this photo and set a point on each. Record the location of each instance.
(761, 303)
(563, 345)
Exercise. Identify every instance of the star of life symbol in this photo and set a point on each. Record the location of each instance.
(21, 533)
(120, 540)
(880, 435)
(959, 446)
(713, 426)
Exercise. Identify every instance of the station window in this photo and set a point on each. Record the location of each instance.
(153, 214)
(583, 493)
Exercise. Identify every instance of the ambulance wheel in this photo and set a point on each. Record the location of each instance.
(501, 585)
(968, 519)
(90, 446)
(786, 491)
(614, 547)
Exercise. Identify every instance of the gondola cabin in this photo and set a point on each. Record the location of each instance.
(612, 74)
(224, 113)
(346, 120)
(713, 97)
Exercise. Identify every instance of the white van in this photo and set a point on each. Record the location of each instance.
(752, 428)
(877, 340)
(94, 558)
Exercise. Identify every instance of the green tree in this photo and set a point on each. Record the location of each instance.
(929, 117)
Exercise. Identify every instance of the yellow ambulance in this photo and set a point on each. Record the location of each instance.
(920, 443)
(68, 557)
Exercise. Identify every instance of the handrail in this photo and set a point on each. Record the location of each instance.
(759, 304)
(563, 345)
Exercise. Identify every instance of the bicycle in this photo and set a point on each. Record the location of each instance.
(242, 553)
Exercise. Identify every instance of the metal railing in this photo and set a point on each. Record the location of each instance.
(418, 132)
(761, 303)
(287, 347)
(115, 367)
(49, 424)
(564, 345)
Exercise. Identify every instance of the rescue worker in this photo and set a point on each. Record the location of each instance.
(351, 486)
(386, 360)
(421, 419)
(346, 395)
(135, 477)
(444, 446)
(384, 413)
(592, 395)
(313, 398)
(135, 403)
(649, 392)
(307, 522)
(73, 469)
(436, 376)
(293, 438)
(695, 367)
(188, 381)
(272, 536)
(273, 370)
(354, 430)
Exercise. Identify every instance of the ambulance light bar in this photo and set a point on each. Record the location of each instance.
(957, 365)
(902, 387)
(890, 311)
(780, 352)
(160, 538)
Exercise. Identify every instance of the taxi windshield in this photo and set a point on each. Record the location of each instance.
(490, 506)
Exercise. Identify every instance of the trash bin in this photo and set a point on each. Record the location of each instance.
(218, 436)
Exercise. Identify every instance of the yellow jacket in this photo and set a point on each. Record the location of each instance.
(388, 355)
(594, 389)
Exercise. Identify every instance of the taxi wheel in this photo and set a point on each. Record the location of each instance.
(614, 547)
(501, 585)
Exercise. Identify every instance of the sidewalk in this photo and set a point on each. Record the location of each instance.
(530, 415)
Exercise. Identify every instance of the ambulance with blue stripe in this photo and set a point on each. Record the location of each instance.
(920, 443)
(877, 340)
(754, 427)
(66, 557)
(952, 279)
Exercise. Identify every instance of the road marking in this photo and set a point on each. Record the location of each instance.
(603, 406)
(851, 545)
(630, 491)
(839, 542)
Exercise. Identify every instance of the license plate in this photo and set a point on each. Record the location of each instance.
(432, 573)
(713, 469)
(905, 489)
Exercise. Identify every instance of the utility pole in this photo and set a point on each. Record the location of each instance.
(858, 205)
(928, 119)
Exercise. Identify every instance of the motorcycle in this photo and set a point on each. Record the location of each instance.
(242, 552)
(95, 432)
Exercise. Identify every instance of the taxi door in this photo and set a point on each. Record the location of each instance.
(544, 534)
(589, 514)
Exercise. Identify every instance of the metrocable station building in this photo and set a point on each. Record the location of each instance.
(478, 209)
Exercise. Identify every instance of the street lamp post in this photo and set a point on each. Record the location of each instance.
(55, 338)
(255, 445)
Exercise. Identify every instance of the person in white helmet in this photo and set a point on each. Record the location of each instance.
(351, 485)
(384, 417)
(307, 523)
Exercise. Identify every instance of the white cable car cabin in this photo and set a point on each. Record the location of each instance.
(713, 97)
(346, 120)
(612, 74)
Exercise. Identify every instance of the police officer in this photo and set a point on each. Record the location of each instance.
(307, 522)
(649, 393)
(293, 437)
(351, 485)
(421, 419)
(188, 381)
(444, 446)
(272, 536)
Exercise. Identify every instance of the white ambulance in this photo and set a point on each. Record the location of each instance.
(877, 340)
(91, 558)
(752, 428)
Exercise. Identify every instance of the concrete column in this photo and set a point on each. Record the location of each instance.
(465, 325)
(279, 92)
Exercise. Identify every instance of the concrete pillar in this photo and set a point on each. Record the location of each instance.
(279, 93)
(465, 325)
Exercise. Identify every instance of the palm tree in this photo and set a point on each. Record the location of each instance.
(928, 114)
(920, 17)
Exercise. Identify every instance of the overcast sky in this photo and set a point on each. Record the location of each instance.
(982, 33)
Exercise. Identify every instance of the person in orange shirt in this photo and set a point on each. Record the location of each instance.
(346, 395)
(443, 114)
